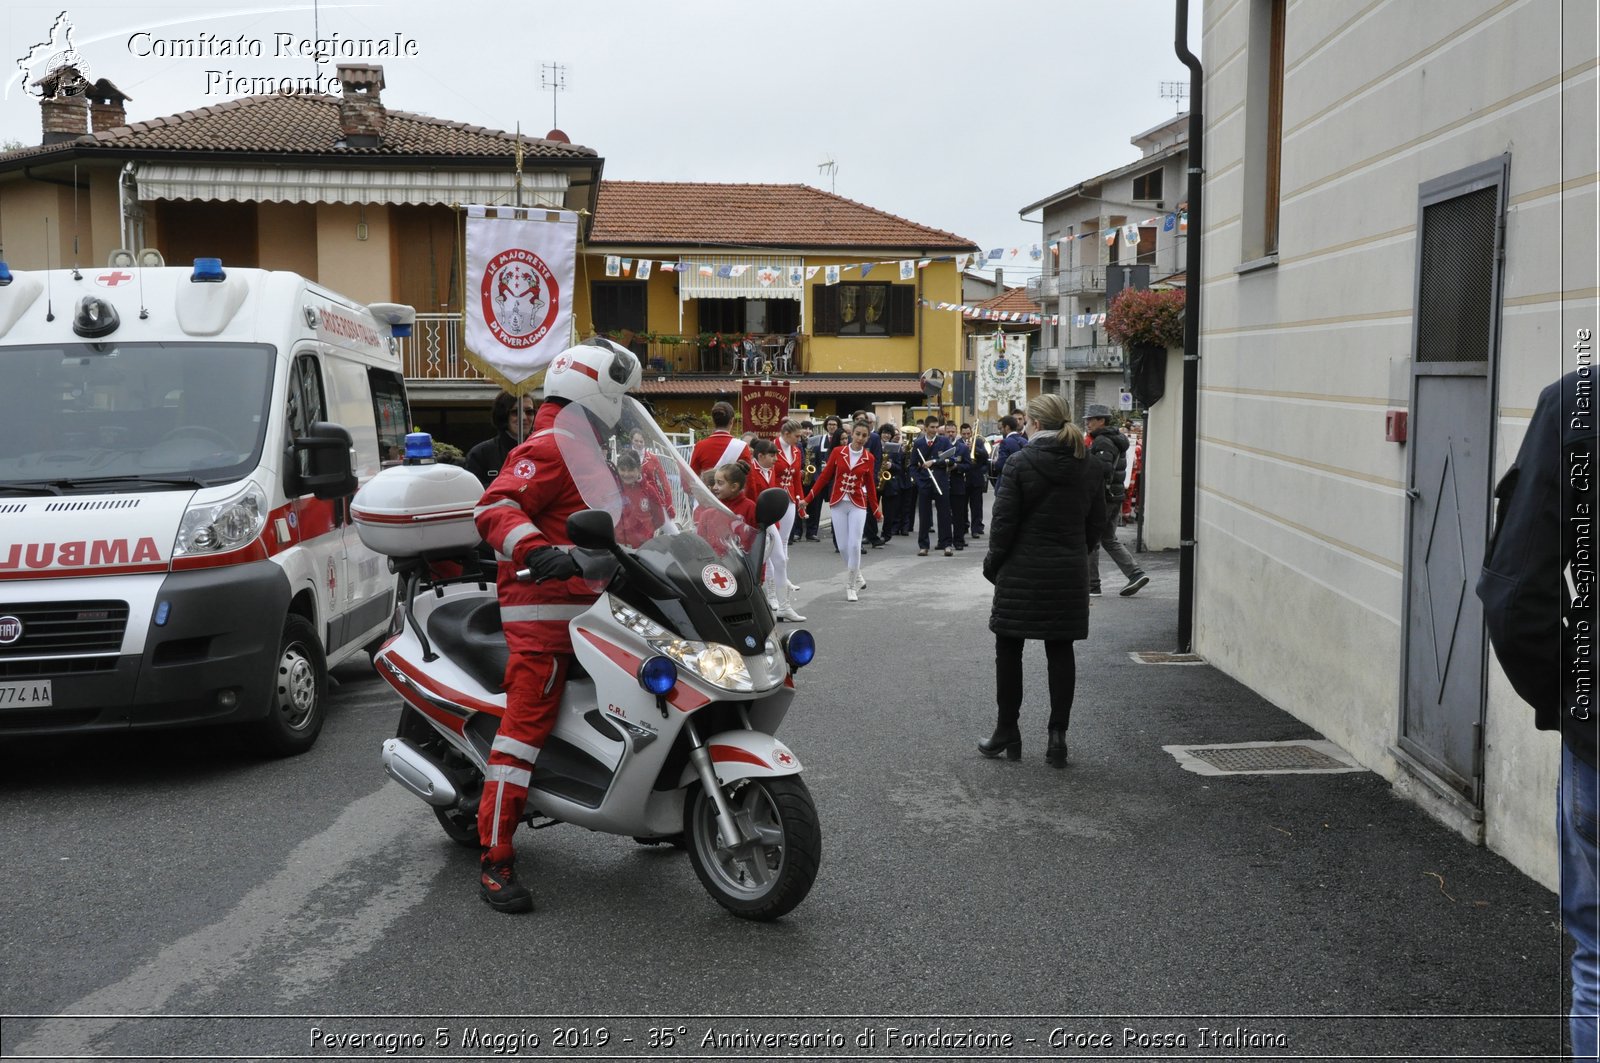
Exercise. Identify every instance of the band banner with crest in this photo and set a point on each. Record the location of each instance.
(763, 406)
(1002, 372)
(521, 267)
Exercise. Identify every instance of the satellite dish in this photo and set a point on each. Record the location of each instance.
(932, 382)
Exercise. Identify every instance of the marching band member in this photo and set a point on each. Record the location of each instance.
(977, 480)
(764, 474)
(787, 471)
(959, 457)
(932, 475)
(854, 494)
(891, 473)
(720, 447)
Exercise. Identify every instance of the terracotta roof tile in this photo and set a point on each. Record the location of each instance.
(1014, 299)
(659, 213)
(295, 125)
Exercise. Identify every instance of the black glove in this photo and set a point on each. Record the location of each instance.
(548, 562)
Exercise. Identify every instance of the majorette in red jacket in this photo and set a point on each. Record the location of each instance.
(527, 506)
(853, 483)
(788, 470)
(718, 448)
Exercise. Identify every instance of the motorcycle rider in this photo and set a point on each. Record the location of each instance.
(523, 517)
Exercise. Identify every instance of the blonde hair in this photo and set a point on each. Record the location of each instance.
(1052, 414)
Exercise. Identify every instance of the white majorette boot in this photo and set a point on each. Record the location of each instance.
(787, 611)
(794, 588)
(850, 586)
(861, 581)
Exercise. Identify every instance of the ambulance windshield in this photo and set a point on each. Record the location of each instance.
(107, 414)
(641, 478)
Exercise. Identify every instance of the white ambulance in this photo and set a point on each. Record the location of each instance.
(178, 449)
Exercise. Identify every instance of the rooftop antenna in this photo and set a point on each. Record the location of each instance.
(553, 79)
(831, 168)
(1175, 90)
(316, 39)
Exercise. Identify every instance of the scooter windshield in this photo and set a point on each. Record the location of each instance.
(640, 477)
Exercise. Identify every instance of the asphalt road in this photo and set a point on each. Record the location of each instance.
(154, 885)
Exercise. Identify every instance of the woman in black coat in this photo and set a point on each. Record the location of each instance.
(1050, 504)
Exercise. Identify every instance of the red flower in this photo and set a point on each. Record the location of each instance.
(1147, 317)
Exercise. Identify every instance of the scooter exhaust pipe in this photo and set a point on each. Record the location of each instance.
(417, 772)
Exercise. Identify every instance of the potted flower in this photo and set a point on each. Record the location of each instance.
(1147, 323)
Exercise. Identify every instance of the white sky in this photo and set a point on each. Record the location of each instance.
(951, 115)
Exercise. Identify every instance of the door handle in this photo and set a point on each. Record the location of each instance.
(1413, 494)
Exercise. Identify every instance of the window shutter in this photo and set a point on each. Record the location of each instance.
(825, 310)
(902, 310)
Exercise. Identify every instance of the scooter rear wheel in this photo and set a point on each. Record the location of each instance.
(766, 878)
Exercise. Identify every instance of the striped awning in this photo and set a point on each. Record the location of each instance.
(295, 184)
(759, 277)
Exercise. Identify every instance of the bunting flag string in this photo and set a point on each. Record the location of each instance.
(616, 266)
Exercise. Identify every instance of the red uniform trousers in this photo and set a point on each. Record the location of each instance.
(533, 697)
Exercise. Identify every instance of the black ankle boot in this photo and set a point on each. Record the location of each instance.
(1006, 739)
(1055, 753)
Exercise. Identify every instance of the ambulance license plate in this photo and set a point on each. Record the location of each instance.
(29, 693)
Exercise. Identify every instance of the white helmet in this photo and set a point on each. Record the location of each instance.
(595, 374)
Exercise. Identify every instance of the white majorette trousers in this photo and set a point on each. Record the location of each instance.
(849, 521)
(778, 553)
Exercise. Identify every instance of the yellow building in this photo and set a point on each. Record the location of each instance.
(737, 283)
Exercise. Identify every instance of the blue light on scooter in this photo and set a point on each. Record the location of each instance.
(799, 648)
(208, 271)
(658, 675)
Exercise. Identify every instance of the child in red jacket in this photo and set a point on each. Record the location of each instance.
(643, 510)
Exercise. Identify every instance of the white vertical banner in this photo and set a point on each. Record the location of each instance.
(521, 267)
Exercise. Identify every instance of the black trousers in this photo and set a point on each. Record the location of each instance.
(930, 501)
(958, 516)
(1060, 665)
(975, 511)
(869, 531)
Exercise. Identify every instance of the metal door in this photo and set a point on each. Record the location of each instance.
(1460, 231)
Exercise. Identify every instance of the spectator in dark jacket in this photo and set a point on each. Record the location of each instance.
(1109, 447)
(1011, 441)
(1048, 508)
(485, 459)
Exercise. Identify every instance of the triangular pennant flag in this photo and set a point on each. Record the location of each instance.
(724, 270)
(996, 253)
(811, 271)
(668, 267)
(707, 271)
(922, 263)
(613, 266)
(627, 267)
(643, 272)
(866, 268)
(737, 271)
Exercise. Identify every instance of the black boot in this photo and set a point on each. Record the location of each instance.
(498, 885)
(1055, 753)
(1006, 739)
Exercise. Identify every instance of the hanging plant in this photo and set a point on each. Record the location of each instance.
(1153, 318)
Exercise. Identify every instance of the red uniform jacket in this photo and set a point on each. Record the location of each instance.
(718, 528)
(759, 480)
(527, 506)
(857, 484)
(718, 448)
(655, 474)
(789, 469)
(643, 513)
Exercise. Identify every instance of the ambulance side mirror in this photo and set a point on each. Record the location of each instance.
(324, 457)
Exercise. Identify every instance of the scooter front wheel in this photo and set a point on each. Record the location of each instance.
(772, 870)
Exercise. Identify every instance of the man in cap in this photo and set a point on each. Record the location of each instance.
(1109, 447)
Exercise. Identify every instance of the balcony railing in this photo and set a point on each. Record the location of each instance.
(436, 351)
(1100, 356)
(1080, 279)
(1044, 360)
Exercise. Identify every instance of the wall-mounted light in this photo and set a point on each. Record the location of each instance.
(361, 224)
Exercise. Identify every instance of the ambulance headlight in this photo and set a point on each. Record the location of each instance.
(211, 527)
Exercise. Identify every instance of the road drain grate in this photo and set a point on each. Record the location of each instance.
(1264, 758)
(1164, 657)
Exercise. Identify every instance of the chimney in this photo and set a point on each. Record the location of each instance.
(65, 110)
(105, 106)
(361, 113)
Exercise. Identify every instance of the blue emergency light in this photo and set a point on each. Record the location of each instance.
(400, 332)
(207, 271)
(419, 447)
(658, 675)
(5, 274)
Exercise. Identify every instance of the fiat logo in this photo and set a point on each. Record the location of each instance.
(10, 630)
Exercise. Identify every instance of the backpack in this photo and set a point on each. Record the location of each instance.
(1536, 584)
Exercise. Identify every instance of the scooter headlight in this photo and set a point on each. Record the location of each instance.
(799, 648)
(658, 675)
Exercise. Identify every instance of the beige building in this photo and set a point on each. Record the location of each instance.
(1400, 218)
